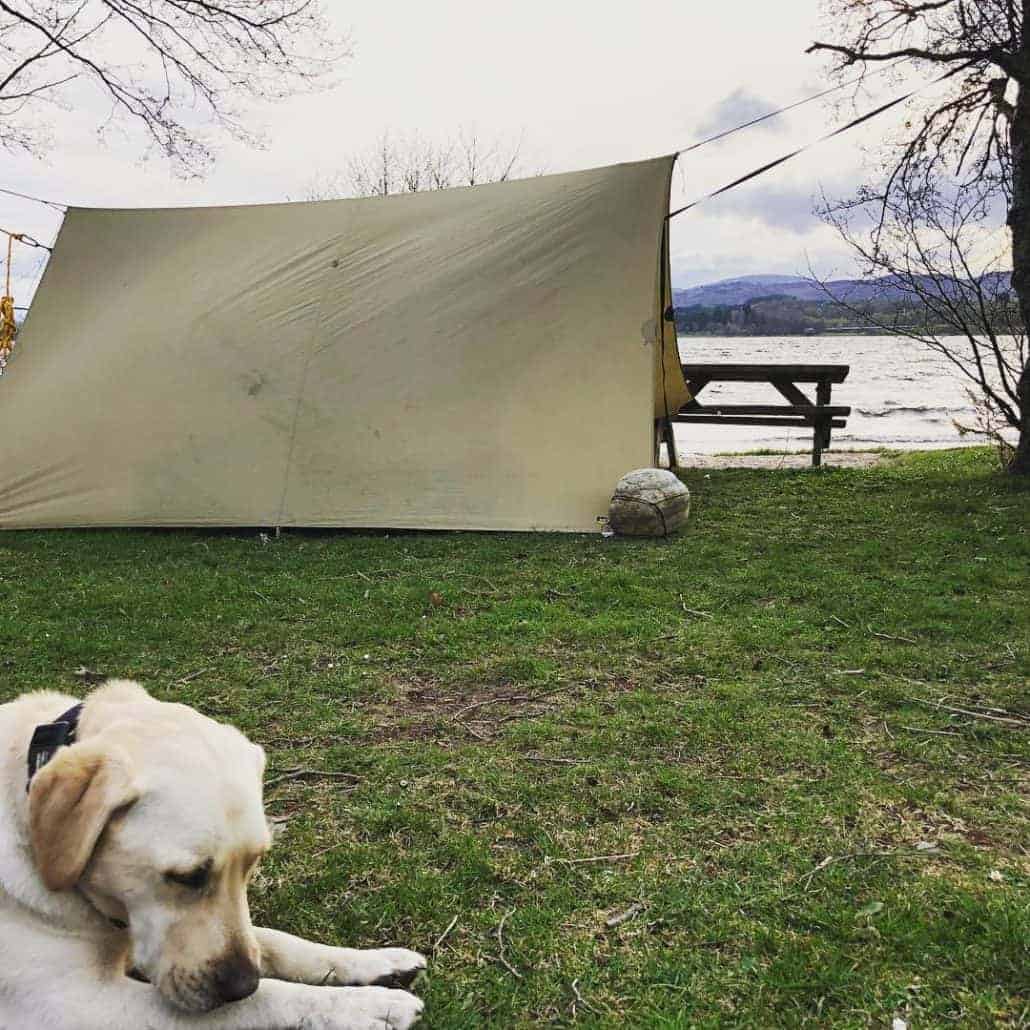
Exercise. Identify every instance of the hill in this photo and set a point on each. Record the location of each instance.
(746, 288)
(757, 305)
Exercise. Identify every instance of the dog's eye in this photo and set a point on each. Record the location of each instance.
(195, 879)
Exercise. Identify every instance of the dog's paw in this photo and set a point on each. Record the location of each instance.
(402, 1010)
(381, 967)
(398, 967)
(379, 1008)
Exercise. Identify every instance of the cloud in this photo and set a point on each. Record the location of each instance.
(779, 207)
(739, 107)
(785, 206)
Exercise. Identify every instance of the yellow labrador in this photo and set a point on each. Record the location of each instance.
(129, 829)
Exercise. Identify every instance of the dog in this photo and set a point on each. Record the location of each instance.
(129, 829)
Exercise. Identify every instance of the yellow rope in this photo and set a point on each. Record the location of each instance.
(8, 326)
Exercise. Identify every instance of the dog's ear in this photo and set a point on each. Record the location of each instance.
(71, 800)
(120, 692)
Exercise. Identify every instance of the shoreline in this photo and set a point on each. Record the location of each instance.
(788, 460)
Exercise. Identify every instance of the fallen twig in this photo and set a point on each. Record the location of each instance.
(878, 855)
(489, 701)
(310, 774)
(694, 611)
(938, 706)
(581, 1000)
(600, 858)
(624, 917)
(887, 636)
(833, 859)
(500, 943)
(512, 698)
(439, 940)
(554, 761)
(332, 847)
(194, 675)
(494, 591)
(992, 709)
(936, 733)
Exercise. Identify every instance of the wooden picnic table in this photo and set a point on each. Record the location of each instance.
(799, 411)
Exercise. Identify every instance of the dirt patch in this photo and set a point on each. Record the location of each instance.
(427, 710)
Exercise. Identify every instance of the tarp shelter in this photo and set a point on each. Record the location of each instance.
(486, 358)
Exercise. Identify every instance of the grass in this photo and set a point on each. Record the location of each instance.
(746, 717)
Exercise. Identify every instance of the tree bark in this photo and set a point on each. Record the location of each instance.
(1020, 464)
(1019, 223)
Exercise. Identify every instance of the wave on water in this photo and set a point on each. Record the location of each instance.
(903, 442)
(918, 409)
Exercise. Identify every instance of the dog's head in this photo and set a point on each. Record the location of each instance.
(156, 817)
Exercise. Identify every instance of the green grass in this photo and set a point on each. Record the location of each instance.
(746, 713)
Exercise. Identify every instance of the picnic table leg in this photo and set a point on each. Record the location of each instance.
(821, 436)
(670, 443)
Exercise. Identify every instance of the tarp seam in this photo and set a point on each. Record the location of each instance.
(309, 357)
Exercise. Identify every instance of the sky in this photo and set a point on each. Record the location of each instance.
(581, 83)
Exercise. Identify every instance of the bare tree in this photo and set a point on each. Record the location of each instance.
(976, 137)
(932, 246)
(412, 164)
(166, 66)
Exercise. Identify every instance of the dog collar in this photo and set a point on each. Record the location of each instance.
(50, 737)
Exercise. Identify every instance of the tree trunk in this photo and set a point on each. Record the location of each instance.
(1020, 464)
(1019, 222)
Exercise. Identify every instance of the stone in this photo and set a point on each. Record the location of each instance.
(649, 502)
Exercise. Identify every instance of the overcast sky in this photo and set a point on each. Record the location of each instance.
(583, 83)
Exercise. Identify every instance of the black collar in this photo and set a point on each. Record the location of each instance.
(46, 741)
(48, 738)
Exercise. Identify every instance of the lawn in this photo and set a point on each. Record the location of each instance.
(771, 773)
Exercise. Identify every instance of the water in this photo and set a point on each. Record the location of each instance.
(902, 394)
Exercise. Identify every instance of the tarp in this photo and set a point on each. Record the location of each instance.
(485, 358)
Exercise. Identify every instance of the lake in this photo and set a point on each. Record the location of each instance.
(902, 395)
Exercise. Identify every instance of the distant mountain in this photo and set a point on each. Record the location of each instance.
(784, 305)
(746, 288)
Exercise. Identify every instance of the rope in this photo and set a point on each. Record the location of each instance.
(823, 139)
(790, 107)
(8, 324)
(24, 237)
(38, 200)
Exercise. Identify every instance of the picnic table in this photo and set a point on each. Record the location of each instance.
(799, 411)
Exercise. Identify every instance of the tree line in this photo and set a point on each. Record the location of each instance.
(779, 315)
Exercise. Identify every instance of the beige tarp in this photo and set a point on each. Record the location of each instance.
(486, 358)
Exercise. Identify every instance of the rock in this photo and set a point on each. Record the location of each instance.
(649, 502)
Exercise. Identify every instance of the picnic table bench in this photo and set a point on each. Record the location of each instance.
(800, 411)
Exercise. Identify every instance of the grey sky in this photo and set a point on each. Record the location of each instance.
(583, 83)
(740, 107)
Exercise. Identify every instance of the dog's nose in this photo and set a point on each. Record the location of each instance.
(236, 978)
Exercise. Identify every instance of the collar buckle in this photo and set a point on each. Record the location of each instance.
(50, 737)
